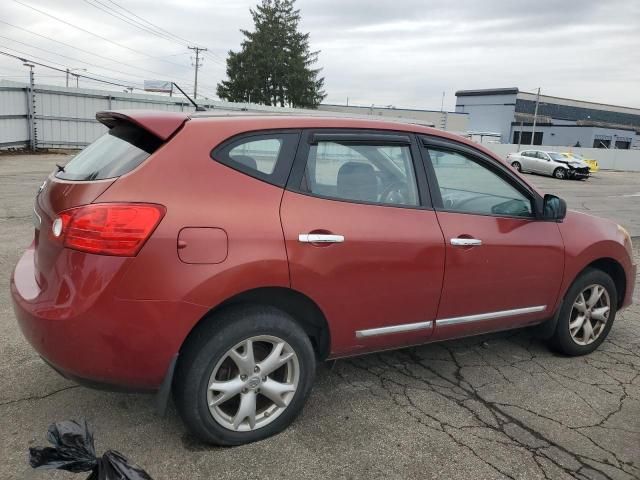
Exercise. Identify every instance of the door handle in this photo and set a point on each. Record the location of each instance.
(320, 238)
(466, 242)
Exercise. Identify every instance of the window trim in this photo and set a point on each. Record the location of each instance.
(483, 159)
(290, 140)
(360, 136)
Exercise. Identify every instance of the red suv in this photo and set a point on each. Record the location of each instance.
(218, 258)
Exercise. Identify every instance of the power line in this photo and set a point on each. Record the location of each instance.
(186, 42)
(109, 11)
(150, 23)
(88, 52)
(77, 60)
(62, 65)
(22, 59)
(152, 29)
(89, 32)
(110, 80)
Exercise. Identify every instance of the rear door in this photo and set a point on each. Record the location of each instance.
(362, 239)
(528, 160)
(503, 265)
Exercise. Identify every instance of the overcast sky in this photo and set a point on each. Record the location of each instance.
(384, 52)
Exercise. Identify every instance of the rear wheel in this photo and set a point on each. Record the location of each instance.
(560, 173)
(245, 377)
(517, 166)
(587, 314)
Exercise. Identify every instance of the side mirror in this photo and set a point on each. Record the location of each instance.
(554, 208)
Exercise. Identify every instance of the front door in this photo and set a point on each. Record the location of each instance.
(361, 241)
(503, 266)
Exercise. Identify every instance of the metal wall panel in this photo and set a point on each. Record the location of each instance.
(14, 132)
(13, 101)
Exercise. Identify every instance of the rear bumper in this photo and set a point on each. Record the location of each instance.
(85, 332)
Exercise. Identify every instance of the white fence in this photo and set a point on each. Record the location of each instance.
(58, 117)
(608, 159)
(48, 116)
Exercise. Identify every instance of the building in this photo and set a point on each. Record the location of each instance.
(509, 113)
(451, 121)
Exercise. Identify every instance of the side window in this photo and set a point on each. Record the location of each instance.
(379, 174)
(468, 186)
(260, 154)
(528, 154)
(542, 156)
(265, 156)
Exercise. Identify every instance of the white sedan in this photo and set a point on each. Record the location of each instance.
(548, 163)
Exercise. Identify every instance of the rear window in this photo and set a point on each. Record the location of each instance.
(117, 152)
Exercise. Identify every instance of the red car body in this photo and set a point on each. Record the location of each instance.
(226, 236)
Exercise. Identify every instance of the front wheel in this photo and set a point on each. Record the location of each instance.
(245, 377)
(587, 314)
(560, 173)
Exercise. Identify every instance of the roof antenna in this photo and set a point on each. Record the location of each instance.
(198, 107)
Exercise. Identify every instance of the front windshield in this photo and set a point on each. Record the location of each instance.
(557, 157)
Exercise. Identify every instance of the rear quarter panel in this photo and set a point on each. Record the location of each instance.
(200, 192)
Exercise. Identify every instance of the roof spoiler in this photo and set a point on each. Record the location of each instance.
(160, 124)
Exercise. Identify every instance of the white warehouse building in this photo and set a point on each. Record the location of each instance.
(509, 113)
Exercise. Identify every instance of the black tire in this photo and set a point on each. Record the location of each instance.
(561, 340)
(517, 166)
(207, 347)
(560, 173)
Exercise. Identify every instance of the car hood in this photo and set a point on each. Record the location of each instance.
(573, 162)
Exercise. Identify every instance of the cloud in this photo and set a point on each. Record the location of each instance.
(400, 52)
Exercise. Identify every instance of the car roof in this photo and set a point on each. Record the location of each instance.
(164, 123)
(306, 120)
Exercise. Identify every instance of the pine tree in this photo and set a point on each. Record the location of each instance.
(274, 65)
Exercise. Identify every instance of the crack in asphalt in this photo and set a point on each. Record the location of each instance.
(37, 397)
(521, 428)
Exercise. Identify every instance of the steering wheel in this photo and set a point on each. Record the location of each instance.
(396, 193)
(459, 204)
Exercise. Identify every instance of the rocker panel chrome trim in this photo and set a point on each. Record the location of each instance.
(406, 327)
(489, 316)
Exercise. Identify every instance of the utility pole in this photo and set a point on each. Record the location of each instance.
(442, 104)
(197, 65)
(535, 117)
(31, 106)
(70, 72)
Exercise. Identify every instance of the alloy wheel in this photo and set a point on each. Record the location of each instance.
(589, 314)
(560, 173)
(253, 383)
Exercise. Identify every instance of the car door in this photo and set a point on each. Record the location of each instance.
(527, 160)
(503, 266)
(362, 239)
(544, 163)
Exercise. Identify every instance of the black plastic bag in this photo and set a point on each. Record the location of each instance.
(73, 451)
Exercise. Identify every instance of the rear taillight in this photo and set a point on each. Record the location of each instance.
(108, 228)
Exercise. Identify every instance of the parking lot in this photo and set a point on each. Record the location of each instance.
(496, 406)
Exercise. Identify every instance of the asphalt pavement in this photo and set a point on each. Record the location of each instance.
(490, 407)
